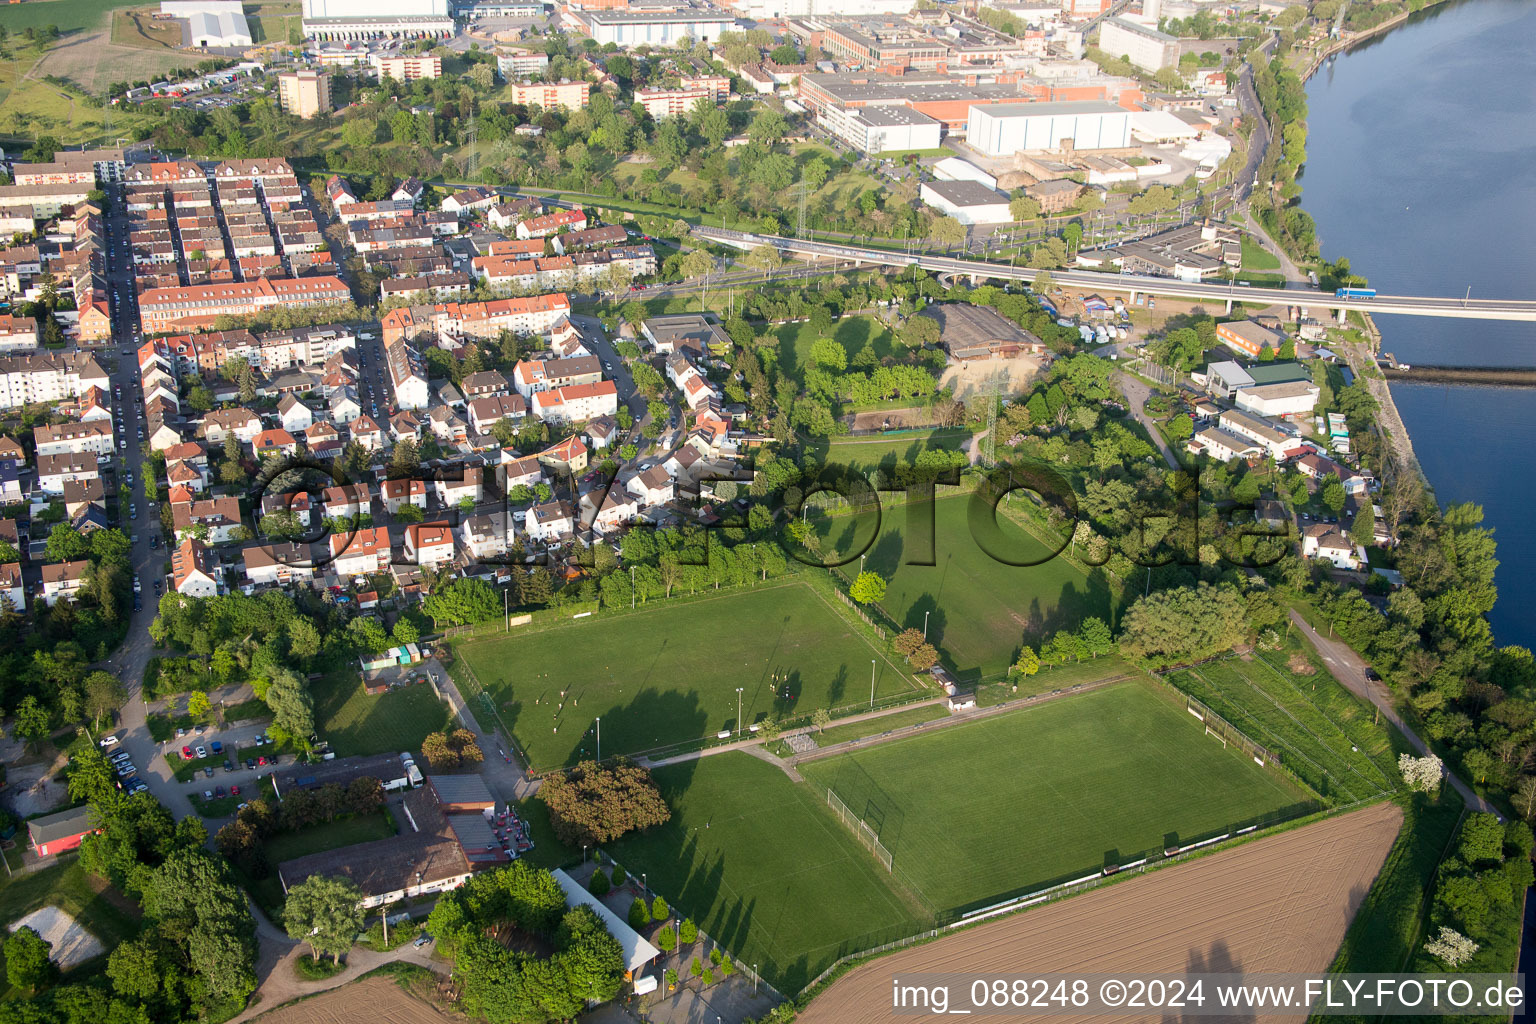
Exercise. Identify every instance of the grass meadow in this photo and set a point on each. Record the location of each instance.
(356, 723)
(978, 610)
(669, 674)
(976, 812)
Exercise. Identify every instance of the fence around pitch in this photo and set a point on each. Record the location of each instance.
(860, 828)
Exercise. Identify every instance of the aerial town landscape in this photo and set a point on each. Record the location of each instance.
(460, 460)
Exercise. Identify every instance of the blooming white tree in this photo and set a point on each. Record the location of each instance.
(1451, 946)
(1421, 773)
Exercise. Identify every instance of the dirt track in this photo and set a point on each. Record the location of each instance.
(375, 1001)
(1279, 904)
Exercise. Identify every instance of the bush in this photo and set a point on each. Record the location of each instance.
(696, 968)
(689, 933)
(659, 909)
(708, 976)
(619, 877)
(599, 885)
(639, 917)
(666, 939)
(310, 969)
(715, 956)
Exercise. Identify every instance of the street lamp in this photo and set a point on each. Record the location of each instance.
(871, 682)
(925, 625)
(738, 711)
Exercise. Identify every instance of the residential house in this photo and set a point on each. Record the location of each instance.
(403, 492)
(13, 592)
(608, 511)
(486, 412)
(550, 522)
(219, 516)
(576, 402)
(80, 493)
(62, 580)
(219, 423)
(533, 375)
(278, 563)
(94, 437)
(1224, 445)
(488, 535)
(276, 441)
(429, 543)
(366, 432)
(1324, 542)
(294, 415)
(347, 501)
(484, 383)
(569, 456)
(54, 471)
(192, 569)
(452, 484)
(652, 487)
(522, 472)
(360, 552)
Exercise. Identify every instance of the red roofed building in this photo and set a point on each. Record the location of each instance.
(197, 306)
(576, 403)
(360, 552)
(552, 223)
(274, 440)
(429, 543)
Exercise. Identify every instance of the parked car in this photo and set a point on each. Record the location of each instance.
(422, 940)
(202, 752)
(216, 747)
(229, 766)
(250, 762)
(207, 794)
(234, 791)
(186, 753)
(208, 771)
(218, 791)
(108, 741)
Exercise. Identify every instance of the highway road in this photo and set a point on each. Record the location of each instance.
(1316, 302)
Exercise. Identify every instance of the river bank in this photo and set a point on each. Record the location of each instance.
(1417, 171)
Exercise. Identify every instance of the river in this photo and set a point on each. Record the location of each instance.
(1421, 168)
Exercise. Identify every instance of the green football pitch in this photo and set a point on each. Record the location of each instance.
(977, 610)
(669, 674)
(977, 812)
(762, 867)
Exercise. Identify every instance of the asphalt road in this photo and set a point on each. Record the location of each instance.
(129, 660)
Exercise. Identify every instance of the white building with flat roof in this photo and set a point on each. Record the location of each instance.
(969, 202)
(1143, 45)
(883, 129)
(1004, 129)
(367, 19)
(656, 27)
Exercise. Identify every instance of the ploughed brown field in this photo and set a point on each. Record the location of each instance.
(1273, 905)
(373, 1001)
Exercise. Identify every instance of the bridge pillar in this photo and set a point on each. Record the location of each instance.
(1132, 300)
(1229, 307)
(1342, 314)
(975, 280)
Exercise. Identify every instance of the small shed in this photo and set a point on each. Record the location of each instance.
(58, 833)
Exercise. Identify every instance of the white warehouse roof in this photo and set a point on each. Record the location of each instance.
(637, 952)
(1161, 126)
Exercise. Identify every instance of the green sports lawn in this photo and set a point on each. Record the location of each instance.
(977, 812)
(864, 455)
(669, 674)
(980, 609)
(763, 868)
